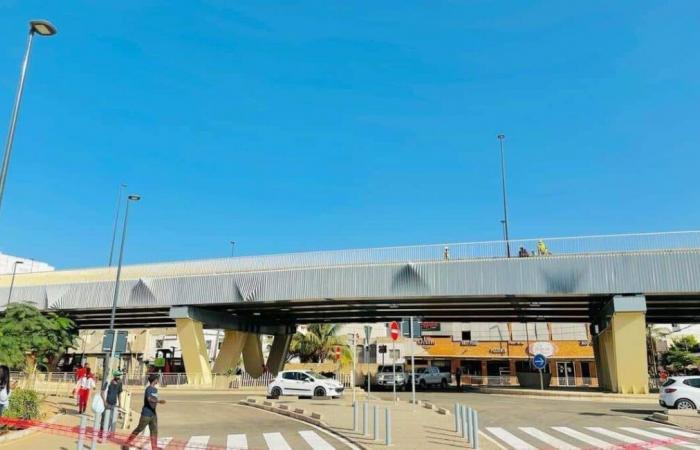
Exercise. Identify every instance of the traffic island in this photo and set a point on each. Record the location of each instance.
(688, 419)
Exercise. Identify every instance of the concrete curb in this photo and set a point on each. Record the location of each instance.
(14, 435)
(572, 396)
(315, 418)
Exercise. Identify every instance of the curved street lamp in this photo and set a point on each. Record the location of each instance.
(42, 28)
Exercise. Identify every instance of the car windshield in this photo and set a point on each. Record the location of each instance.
(389, 369)
(316, 375)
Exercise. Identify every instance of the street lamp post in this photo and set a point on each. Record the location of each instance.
(12, 283)
(116, 221)
(501, 138)
(110, 354)
(42, 28)
(233, 246)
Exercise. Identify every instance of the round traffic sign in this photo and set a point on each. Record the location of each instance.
(394, 330)
(539, 361)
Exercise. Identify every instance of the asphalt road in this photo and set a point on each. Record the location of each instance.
(219, 417)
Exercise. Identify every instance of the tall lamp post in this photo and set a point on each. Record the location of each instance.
(116, 221)
(501, 138)
(12, 283)
(233, 246)
(110, 354)
(42, 28)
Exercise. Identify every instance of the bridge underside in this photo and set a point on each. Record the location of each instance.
(660, 309)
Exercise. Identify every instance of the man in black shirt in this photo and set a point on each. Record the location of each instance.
(111, 394)
(148, 414)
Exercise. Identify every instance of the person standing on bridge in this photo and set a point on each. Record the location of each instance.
(148, 414)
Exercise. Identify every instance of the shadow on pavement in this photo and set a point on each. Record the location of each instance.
(642, 412)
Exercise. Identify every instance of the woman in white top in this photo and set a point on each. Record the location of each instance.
(86, 383)
(4, 388)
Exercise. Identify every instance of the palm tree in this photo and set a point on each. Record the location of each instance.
(318, 344)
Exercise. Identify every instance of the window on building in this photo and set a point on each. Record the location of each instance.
(208, 345)
(466, 335)
(159, 343)
(585, 369)
(394, 354)
(569, 332)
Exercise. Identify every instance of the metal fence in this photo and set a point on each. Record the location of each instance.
(537, 247)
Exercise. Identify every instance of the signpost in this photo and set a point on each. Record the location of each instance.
(540, 362)
(394, 336)
(368, 334)
(353, 337)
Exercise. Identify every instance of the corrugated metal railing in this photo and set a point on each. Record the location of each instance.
(538, 247)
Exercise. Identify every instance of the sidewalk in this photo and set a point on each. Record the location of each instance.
(413, 427)
(572, 395)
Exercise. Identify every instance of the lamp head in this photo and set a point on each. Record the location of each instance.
(42, 27)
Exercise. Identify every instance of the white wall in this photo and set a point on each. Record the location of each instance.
(7, 263)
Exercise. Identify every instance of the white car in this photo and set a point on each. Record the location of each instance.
(385, 377)
(680, 393)
(304, 383)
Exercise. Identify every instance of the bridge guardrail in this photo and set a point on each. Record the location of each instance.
(538, 247)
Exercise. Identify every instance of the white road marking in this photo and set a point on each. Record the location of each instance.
(197, 443)
(275, 441)
(661, 438)
(315, 441)
(548, 439)
(583, 437)
(236, 442)
(624, 438)
(677, 432)
(510, 439)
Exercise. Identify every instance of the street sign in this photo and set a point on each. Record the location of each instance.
(406, 328)
(394, 331)
(109, 338)
(381, 349)
(539, 361)
(368, 333)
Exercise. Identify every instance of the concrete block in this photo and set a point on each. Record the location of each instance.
(267, 403)
(316, 416)
(283, 407)
(251, 400)
(299, 411)
(427, 405)
(443, 411)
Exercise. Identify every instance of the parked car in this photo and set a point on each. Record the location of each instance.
(680, 393)
(385, 377)
(431, 376)
(304, 383)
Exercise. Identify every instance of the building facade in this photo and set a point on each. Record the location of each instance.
(24, 265)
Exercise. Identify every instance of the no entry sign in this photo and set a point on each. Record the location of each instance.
(394, 330)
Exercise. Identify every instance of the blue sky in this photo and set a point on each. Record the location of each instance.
(304, 125)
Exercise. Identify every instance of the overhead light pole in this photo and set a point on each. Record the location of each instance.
(501, 138)
(110, 354)
(116, 221)
(42, 28)
(233, 246)
(12, 283)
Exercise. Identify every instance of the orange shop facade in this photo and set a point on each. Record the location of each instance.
(494, 353)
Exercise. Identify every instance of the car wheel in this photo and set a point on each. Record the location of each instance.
(276, 392)
(423, 384)
(319, 392)
(684, 403)
(443, 384)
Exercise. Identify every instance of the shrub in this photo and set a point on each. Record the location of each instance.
(24, 404)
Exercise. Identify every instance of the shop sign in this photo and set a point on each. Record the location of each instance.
(546, 349)
(497, 350)
(425, 341)
(430, 326)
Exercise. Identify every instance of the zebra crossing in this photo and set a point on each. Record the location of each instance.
(273, 441)
(568, 438)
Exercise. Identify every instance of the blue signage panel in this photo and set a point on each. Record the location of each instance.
(539, 361)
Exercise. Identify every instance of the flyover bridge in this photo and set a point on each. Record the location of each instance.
(652, 277)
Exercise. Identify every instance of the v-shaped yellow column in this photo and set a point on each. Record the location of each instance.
(190, 333)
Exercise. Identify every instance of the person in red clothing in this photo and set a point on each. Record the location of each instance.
(86, 383)
(81, 371)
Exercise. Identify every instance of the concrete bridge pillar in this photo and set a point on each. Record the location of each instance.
(620, 346)
(230, 352)
(190, 333)
(253, 356)
(278, 353)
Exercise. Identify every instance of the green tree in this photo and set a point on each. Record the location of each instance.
(318, 344)
(679, 359)
(27, 331)
(686, 342)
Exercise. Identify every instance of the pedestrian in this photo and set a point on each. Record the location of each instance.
(111, 394)
(81, 371)
(86, 383)
(458, 378)
(446, 254)
(523, 253)
(5, 388)
(148, 414)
